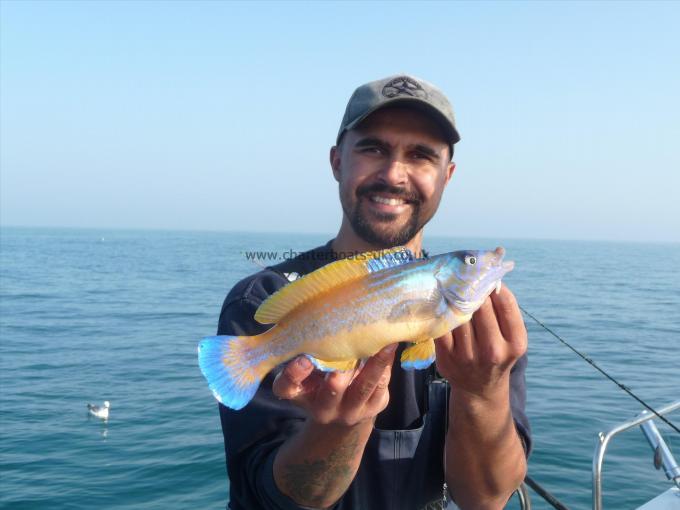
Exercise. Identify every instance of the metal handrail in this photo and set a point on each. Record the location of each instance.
(523, 497)
(598, 457)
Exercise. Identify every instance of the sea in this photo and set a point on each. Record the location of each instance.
(88, 315)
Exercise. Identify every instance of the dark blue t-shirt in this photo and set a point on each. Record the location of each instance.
(402, 465)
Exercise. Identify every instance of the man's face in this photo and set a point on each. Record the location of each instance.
(392, 171)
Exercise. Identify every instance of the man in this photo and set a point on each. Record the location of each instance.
(384, 437)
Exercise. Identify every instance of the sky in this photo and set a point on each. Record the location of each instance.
(220, 115)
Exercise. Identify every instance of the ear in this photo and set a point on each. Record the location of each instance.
(335, 162)
(451, 167)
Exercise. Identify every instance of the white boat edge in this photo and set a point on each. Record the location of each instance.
(669, 500)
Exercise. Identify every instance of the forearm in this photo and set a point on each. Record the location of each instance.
(316, 466)
(485, 460)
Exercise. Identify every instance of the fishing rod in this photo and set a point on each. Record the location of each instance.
(596, 367)
(538, 489)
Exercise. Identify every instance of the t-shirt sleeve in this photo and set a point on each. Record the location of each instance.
(518, 399)
(253, 434)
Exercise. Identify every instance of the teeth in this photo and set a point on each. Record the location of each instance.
(387, 201)
(498, 287)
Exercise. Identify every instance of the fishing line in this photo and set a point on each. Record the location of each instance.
(596, 367)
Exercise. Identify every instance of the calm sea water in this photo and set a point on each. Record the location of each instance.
(89, 315)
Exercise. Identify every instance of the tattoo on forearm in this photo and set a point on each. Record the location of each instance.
(310, 481)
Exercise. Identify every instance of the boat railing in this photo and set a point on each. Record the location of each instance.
(662, 455)
(523, 497)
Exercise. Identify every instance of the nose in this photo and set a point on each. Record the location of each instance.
(394, 173)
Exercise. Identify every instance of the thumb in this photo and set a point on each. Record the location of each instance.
(289, 382)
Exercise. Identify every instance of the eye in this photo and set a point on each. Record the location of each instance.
(421, 155)
(372, 150)
(470, 260)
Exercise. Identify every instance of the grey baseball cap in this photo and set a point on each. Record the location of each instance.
(400, 89)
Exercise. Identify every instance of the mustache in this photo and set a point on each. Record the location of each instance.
(378, 187)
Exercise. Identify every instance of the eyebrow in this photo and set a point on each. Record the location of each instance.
(372, 141)
(427, 150)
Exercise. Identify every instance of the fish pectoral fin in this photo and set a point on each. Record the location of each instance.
(417, 309)
(460, 304)
(419, 355)
(333, 366)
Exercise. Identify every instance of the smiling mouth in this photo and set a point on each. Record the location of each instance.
(387, 200)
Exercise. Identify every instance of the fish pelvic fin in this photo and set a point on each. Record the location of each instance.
(304, 289)
(234, 367)
(418, 356)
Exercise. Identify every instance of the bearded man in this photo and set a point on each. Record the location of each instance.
(383, 437)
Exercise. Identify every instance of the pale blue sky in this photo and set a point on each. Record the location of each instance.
(219, 115)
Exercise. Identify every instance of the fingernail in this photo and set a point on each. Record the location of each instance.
(304, 363)
(391, 348)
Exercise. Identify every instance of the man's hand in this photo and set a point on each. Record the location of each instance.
(316, 466)
(484, 459)
(476, 357)
(342, 398)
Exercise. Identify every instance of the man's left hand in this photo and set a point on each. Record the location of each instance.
(476, 357)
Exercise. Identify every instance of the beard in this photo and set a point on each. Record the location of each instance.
(381, 229)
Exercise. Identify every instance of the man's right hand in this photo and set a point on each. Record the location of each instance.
(338, 398)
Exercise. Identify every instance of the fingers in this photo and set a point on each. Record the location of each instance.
(508, 313)
(509, 317)
(485, 323)
(290, 382)
(463, 341)
(330, 393)
(443, 345)
(477, 340)
(370, 386)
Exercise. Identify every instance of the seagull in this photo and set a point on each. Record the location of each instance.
(100, 411)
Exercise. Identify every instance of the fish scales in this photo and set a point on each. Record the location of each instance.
(355, 312)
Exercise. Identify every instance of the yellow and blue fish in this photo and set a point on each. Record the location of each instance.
(350, 309)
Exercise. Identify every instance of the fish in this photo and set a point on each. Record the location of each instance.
(350, 309)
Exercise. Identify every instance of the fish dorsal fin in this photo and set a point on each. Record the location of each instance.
(286, 299)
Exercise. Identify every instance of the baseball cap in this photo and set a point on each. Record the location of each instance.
(400, 89)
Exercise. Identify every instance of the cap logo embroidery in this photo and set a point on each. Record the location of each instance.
(403, 86)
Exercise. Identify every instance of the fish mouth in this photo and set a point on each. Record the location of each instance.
(499, 269)
(505, 266)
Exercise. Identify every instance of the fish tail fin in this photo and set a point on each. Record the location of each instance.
(234, 366)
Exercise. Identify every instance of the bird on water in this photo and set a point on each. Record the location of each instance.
(100, 411)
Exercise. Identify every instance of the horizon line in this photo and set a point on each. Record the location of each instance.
(309, 233)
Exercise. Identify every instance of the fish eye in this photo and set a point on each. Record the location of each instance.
(470, 260)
